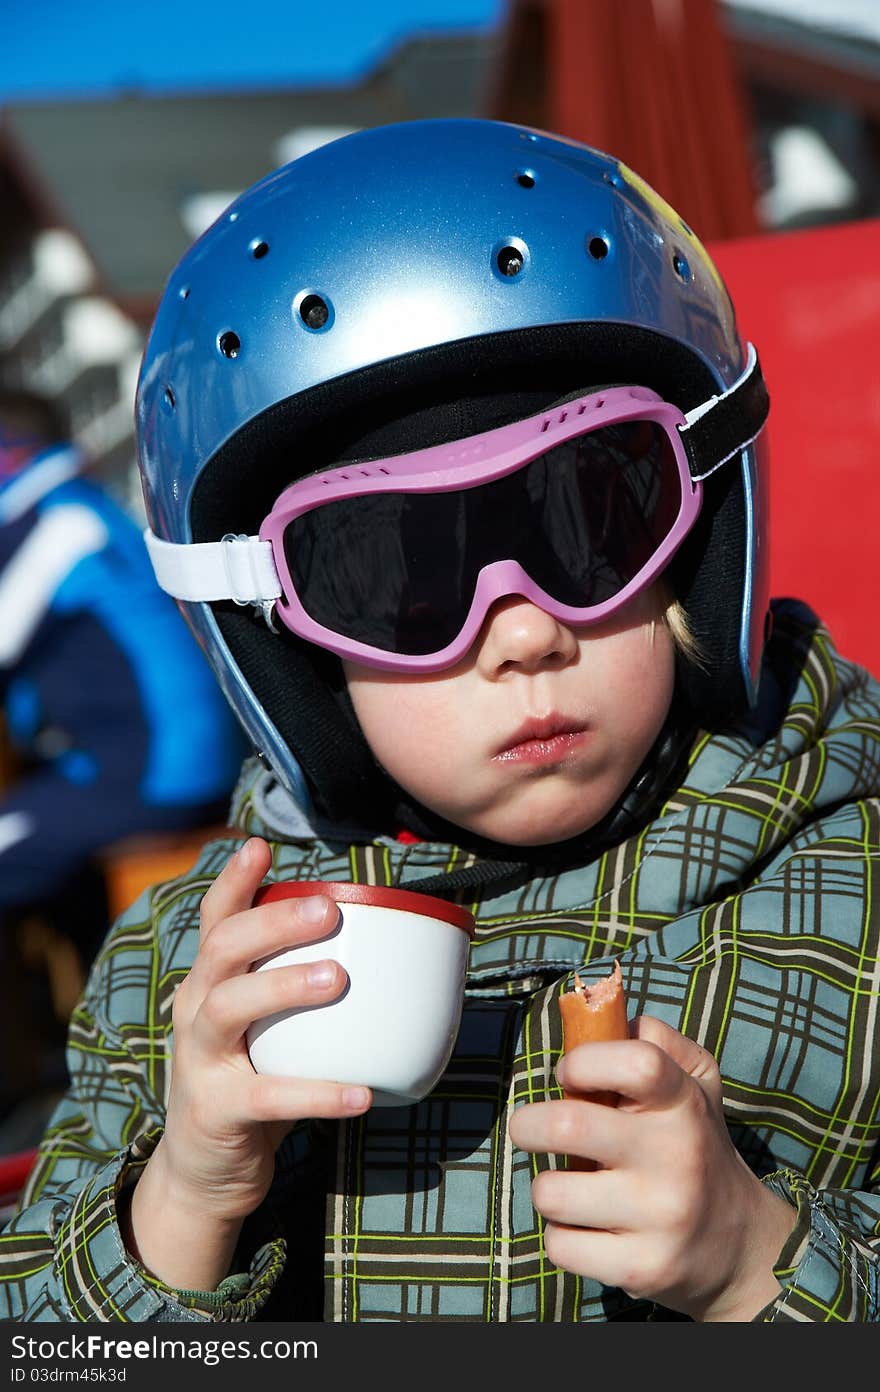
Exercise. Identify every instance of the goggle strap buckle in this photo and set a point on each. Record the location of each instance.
(240, 568)
(267, 609)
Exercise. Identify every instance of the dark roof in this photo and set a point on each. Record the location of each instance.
(843, 35)
(815, 49)
(117, 171)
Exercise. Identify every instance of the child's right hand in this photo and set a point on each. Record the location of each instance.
(215, 1161)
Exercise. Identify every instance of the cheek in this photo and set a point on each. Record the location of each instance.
(404, 724)
(641, 684)
(650, 657)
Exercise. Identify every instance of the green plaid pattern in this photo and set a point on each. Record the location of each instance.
(746, 914)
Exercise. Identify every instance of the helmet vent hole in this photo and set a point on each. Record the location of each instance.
(168, 399)
(598, 248)
(258, 249)
(229, 344)
(681, 266)
(183, 292)
(510, 261)
(613, 179)
(314, 312)
(526, 179)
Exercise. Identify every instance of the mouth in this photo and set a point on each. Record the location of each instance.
(546, 741)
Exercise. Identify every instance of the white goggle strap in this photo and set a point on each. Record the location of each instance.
(240, 568)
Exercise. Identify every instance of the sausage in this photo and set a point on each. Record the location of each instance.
(591, 1013)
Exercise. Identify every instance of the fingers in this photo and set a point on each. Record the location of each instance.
(604, 1202)
(253, 1099)
(274, 1099)
(613, 1259)
(659, 1076)
(639, 1070)
(579, 1127)
(233, 1005)
(221, 997)
(690, 1056)
(236, 943)
(236, 885)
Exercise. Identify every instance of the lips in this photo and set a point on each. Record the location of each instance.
(542, 741)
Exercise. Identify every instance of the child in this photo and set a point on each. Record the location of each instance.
(455, 460)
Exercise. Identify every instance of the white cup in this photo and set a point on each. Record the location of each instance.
(395, 1025)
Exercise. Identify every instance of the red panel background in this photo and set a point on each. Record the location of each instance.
(810, 302)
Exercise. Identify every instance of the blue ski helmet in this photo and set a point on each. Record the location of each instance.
(410, 284)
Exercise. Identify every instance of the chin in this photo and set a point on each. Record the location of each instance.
(543, 838)
(538, 827)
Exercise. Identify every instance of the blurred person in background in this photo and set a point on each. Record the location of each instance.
(114, 721)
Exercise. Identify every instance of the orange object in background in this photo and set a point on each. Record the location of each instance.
(139, 862)
(810, 302)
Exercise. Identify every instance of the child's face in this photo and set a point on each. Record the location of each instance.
(533, 736)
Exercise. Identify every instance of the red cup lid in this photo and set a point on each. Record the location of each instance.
(382, 896)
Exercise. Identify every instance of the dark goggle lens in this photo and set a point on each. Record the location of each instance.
(397, 571)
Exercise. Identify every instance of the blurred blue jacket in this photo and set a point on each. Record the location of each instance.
(101, 681)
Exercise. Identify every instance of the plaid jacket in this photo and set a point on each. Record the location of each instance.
(746, 914)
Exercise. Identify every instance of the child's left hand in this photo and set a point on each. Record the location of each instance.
(674, 1215)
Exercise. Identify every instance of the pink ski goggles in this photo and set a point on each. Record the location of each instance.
(395, 563)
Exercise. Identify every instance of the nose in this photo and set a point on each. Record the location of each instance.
(518, 636)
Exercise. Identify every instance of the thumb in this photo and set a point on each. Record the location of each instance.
(690, 1056)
